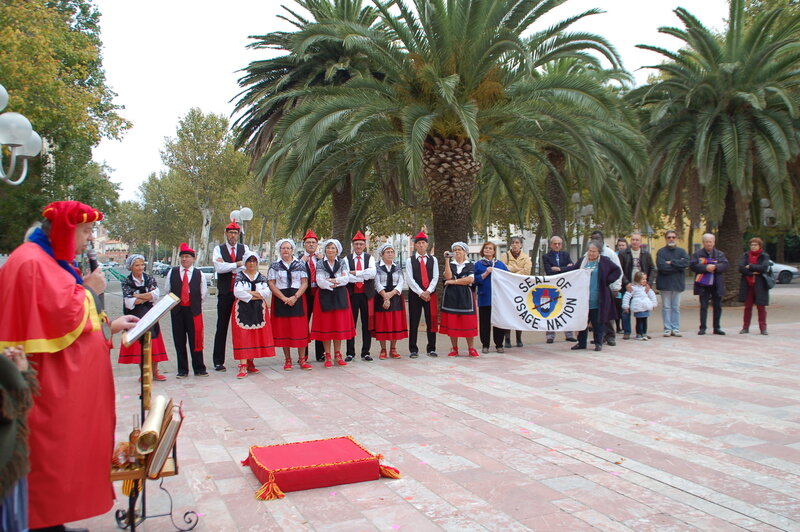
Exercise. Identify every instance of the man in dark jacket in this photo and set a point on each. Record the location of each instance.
(635, 259)
(557, 261)
(671, 261)
(709, 264)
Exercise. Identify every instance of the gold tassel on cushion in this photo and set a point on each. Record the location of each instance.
(127, 486)
(269, 491)
(389, 472)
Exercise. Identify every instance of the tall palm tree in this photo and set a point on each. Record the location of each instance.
(269, 86)
(457, 97)
(721, 120)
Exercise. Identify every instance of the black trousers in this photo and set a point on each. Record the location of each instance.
(360, 304)
(416, 307)
(224, 309)
(641, 326)
(710, 294)
(183, 332)
(319, 348)
(597, 329)
(488, 332)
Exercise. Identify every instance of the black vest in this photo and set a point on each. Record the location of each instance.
(176, 285)
(225, 280)
(369, 286)
(416, 274)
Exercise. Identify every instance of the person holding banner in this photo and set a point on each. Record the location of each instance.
(459, 319)
(601, 301)
(521, 264)
(390, 309)
(250, 324)
(483, 280)
(422, 274)
(288, 281)
(557, 261)
(333, 319)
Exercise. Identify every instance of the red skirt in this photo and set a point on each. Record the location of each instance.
(133, 353)
(291, 332)
(252, 342)
(390, 325)
(332, 324)
(459, 325)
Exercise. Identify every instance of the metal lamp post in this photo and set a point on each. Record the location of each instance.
(18, 136)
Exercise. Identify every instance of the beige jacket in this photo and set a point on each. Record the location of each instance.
(521, 265)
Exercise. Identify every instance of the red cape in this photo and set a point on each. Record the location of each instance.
(72, 420)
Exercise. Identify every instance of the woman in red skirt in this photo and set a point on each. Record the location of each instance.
(333, 319)
(459, 319)
(252, 333)
(139, 293)
(288, 281)
(390, 310)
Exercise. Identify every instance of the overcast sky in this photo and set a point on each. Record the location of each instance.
(164, 57)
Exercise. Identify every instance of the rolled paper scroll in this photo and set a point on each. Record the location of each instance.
(151, 428)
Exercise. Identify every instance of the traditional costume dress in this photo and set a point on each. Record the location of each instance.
(190, 285)
(333, 319)
(250, 323)
(45, 308)
(459, 319)
(289, 322)
(132, 354)
(390, 324)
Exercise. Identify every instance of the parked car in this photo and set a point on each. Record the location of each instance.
(208, 273)
(783, 273)
(112, 264)
(159, 268)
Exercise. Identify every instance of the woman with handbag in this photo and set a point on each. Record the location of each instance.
(288, 281)
(333, 319)
(755, 284)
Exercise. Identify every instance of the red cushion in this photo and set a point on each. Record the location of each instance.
(313, 464)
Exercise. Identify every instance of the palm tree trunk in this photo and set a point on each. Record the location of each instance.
(729, 240)
(342, 199)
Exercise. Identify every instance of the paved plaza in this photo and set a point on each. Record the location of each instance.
(692, 433)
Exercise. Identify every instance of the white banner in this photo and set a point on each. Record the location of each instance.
(540, 303)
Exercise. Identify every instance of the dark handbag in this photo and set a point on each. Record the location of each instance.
(769, 279)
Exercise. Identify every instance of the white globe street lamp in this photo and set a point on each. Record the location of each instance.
(16, 134)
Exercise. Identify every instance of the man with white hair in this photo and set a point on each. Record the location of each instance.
(709, 264)
(557, 261)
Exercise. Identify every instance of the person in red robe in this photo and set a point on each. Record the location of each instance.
(53, 313)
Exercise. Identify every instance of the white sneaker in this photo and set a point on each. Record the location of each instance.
(645, 338)
(667, 333)
(676, 333)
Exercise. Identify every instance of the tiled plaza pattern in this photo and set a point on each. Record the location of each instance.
(692, 433)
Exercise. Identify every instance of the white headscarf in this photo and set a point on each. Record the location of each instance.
(280, 243)
(335, 243)
(462, 245)
(248, 255)
(384, 247)
(131, 259)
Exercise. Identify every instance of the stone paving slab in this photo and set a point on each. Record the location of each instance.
(674, 434)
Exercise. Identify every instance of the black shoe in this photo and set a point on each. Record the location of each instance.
(220, 367)
(719, 331)
(701, 332)
(577, 347)
(414, 355)
(764, 332)
(519, 344)
(599, 347)
(550, 340)
(507, 345)
(432, 354)
(366, 358)
(181, 376)
(611, 341)
(203, 374)
(348, 358)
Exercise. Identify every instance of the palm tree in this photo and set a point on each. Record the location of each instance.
(721, 120)
(457, 97)
(269, 86)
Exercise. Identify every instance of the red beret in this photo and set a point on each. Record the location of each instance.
(359, 236)
(234, 226)
(310, 234)
(421, 236)
(186, 250)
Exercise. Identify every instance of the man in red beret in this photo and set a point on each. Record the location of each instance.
(309, 257)
(54, 314)
(190, 285)
(227, 259)
(362, 290)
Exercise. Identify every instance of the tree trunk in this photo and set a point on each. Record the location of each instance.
(205, 235)
(150, 255)
(729, 240)
(780, 248)
(555, 194)
(261, 235)
(690, 238)
(342, 199)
